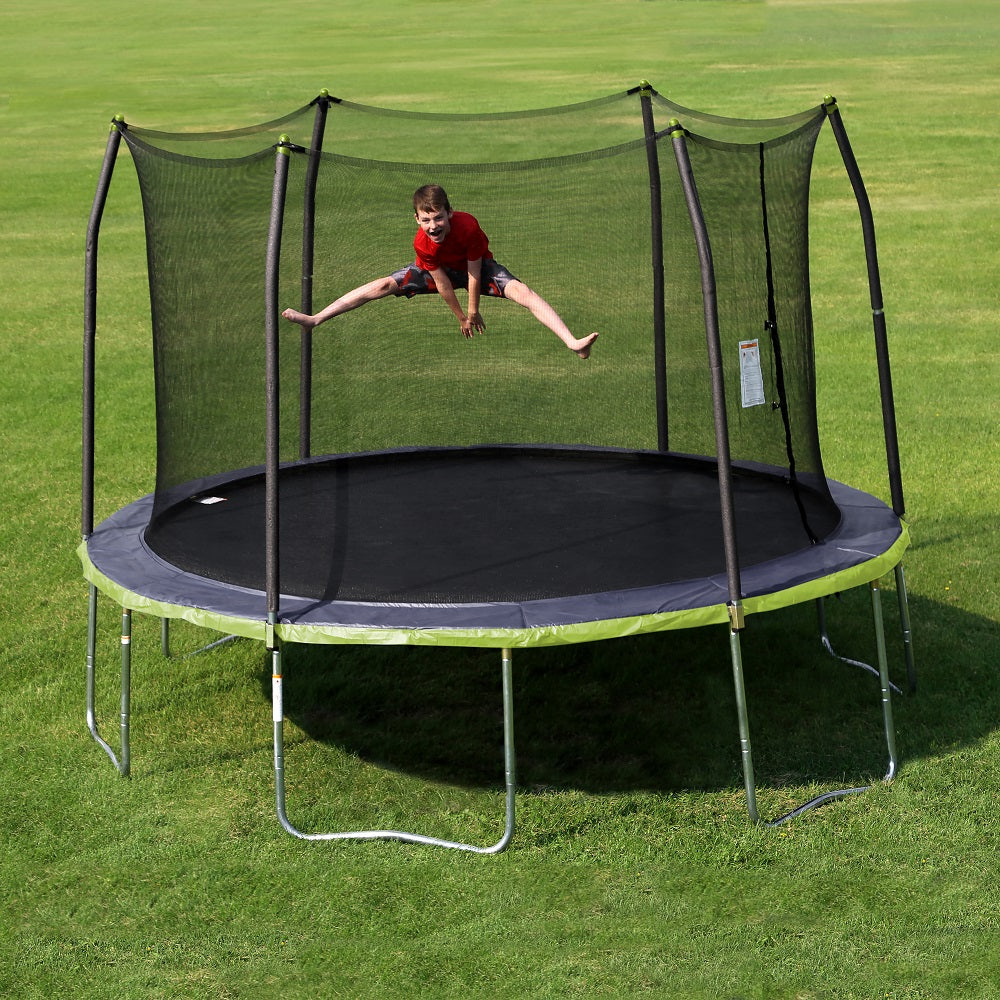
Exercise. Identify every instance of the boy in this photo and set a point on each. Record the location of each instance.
(452, 252)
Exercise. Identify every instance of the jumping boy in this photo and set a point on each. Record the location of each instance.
(452, 252)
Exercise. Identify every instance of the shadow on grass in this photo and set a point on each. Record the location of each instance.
(655, 712)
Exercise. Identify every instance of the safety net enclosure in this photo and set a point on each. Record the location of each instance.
(381, 479)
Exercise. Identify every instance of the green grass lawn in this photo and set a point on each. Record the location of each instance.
(634, 870)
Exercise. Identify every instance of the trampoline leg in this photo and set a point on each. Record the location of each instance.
(121, 760)
(890, 730)
(278, 719)
(277, 714)
(904, 623)
(125, 764)
(746, 755)
(883, 672)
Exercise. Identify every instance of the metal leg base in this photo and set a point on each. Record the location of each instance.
(889, 728)
(398, 835)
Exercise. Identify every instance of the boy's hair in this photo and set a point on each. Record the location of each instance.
(430, 198)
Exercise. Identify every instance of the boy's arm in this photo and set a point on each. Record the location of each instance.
(475, 273)
(447, 292)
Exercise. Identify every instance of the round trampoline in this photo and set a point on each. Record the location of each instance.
(353, 490)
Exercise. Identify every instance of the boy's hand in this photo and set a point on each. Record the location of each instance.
(472, 324)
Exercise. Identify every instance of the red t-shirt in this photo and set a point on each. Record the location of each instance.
(466, 241)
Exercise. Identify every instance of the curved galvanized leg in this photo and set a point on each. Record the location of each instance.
(122, 760)
(277, 711)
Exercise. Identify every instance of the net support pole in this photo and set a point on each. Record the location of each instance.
(656, 227)
(272, 449)
(271, 380)
(308, 258)
(882, 360)
(708, 288)
(121, 760)
(878, 311)
(90, 323)
(715, 365)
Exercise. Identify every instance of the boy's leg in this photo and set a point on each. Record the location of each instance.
(377, 289)
(519, 292)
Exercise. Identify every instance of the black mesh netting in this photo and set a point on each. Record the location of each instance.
(565, 197)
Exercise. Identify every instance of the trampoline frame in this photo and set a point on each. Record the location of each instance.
(272, 628)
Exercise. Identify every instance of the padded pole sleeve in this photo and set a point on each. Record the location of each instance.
(308, 253)
(90, 323)
(878, 313)
(659, 311)
(271, 561)
(715, 364)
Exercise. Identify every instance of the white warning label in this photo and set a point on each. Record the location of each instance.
(751, 378)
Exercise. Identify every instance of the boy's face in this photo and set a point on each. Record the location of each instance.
(435, 222)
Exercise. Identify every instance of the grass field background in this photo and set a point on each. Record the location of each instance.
(635, 871)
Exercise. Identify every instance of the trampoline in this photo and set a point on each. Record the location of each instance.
(458, 505)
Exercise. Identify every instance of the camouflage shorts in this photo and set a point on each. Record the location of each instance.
(413, 280)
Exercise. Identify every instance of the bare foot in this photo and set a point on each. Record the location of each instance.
(585, 345)
(294, 316)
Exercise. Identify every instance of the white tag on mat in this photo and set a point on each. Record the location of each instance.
(751, 378)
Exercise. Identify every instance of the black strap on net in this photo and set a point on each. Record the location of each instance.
(771, 326)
